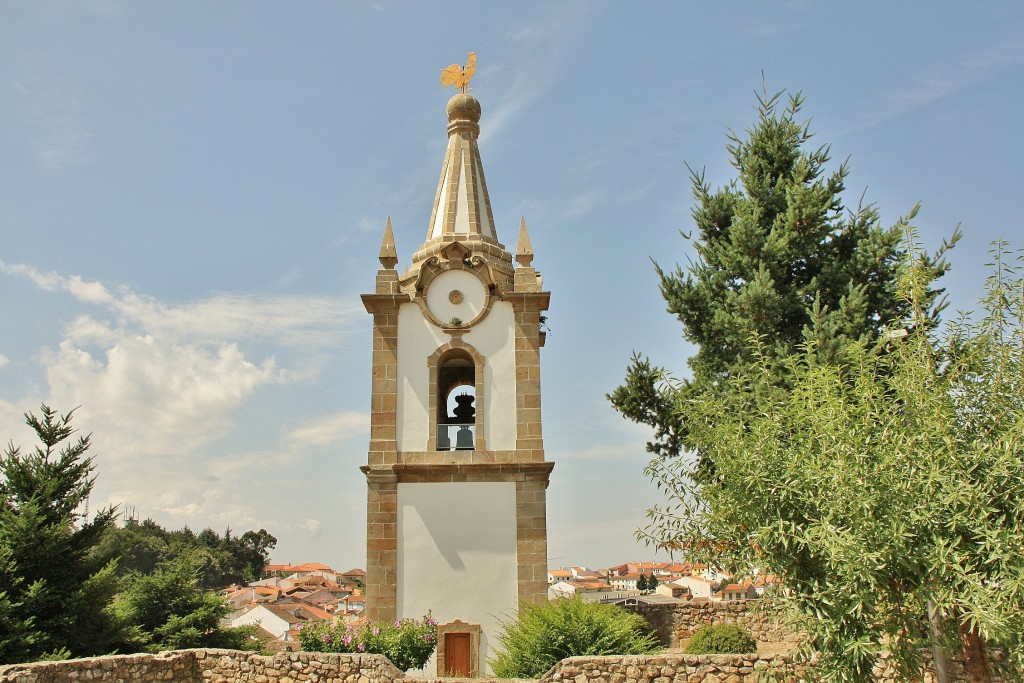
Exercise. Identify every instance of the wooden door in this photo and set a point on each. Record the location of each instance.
(456, 655)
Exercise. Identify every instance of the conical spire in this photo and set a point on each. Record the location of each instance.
(462, 206)
(524, 250)
(388, 254)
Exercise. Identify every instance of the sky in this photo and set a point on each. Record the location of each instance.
(192, 198)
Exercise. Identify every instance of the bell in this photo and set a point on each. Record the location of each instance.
(464, 439)
(464, 411)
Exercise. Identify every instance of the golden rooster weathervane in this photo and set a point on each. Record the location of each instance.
(458, 77)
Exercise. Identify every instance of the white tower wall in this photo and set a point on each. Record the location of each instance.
(453, 564)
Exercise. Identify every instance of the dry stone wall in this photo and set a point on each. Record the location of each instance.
(166, 666)
(674, 669)
(676, 622)
(229, 666)
(209, 666)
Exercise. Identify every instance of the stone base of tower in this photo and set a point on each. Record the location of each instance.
(466, 542)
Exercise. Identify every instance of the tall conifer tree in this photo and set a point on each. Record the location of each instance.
(779, 257)
(54, 593)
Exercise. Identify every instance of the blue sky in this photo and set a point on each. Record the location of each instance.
(192, 197)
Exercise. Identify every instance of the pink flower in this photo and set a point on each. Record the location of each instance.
(362, 648)
(327, 637)
(398, 624)
(376, 630)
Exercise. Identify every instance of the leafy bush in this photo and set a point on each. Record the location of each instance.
(546, 633)
(407, 643)
(721, 639)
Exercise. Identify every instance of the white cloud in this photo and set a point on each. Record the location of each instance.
(161, 387)
(45, 281)
(92, 292)
(329, 429)
(539, 65)
(159, 397)
(3, 360)
(945, 79)
(581, 204)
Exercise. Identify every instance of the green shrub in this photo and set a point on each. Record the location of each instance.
(407, 643)
(721, 639)
(546, 633)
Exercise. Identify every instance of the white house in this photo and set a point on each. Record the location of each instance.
(279, 620)
(556, 575)
(625, 582)
(698, 585)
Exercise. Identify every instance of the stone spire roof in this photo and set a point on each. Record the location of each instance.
(462, 207)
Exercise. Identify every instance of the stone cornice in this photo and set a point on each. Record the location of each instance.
(383, 303)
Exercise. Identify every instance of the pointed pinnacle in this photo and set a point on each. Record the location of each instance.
(388, 254)
(524, 250)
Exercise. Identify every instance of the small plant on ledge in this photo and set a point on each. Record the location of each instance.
(455, 322)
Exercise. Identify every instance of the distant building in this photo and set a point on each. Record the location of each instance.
(282, 621)
(698, 586)
(739, 591)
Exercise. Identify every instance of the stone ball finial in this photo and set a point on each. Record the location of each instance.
(464, 107)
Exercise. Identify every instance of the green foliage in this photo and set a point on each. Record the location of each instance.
(59, 572)
(779, 257)
(168, 610)
(219, 560)
(875, 486)
(641, 583)
(721, 639)
(543, 634)
(55, 595)
(407, 643)
(652, 582)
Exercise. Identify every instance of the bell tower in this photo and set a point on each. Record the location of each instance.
(456, 475)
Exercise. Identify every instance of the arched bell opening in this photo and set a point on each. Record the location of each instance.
(456, 407)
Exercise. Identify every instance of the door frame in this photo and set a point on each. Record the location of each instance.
(459, 626)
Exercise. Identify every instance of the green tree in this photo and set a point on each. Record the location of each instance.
(652, 582)
(885, 490)
(778, 256)
(253, 552)
(138, 548)
(16, 632)
(543, 634)
(55, 594)
(641, 583)
(169, 610)
(223, 560)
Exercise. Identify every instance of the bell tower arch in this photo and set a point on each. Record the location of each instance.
(456, 473)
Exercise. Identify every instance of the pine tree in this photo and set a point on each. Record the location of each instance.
(641, 583)
(780, 258)
(55, 595)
